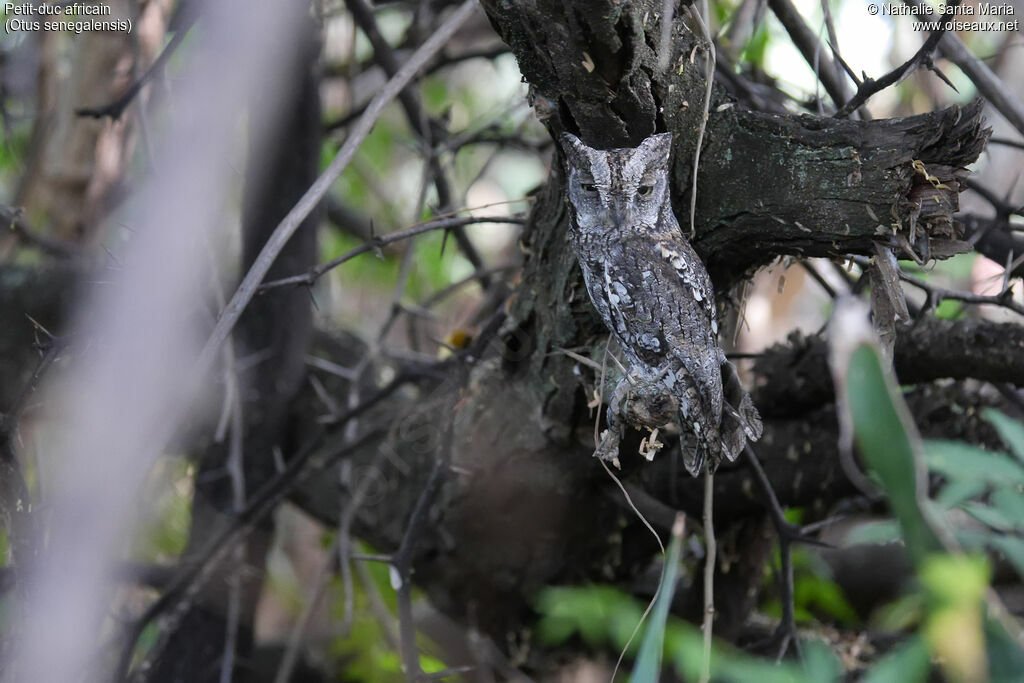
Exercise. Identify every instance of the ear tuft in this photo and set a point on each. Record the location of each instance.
(576, 152)
(573, 143)
(658, 146)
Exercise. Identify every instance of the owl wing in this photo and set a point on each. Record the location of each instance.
(663, 312)
(739, 419)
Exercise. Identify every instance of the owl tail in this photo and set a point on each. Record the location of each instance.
(741, 424)
(693, 454)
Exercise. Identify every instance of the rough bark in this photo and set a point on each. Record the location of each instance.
(795, 377)
(768, 184)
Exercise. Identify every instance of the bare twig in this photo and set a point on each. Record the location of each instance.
(236, 469)
(813, 272)
(264, 500)
(380, 610)
(1017, 144)
(665, 41)
(313, 274)
(988, 83)
(1003, 208)
(442, 61)
(117, 108)
(922, 57)
(679, 518)
(402, 561)
(936, 295)
(709, 82)
(444, 293)
(810, 47)
(15, 222)
(287, 227)
(384, 55)
(786, 631)
(710, 548)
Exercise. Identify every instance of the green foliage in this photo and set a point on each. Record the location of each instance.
(1011, 431)
(955, 586)
(366, 654)
(815, 594)
(956, 625)
(949, 309)
(957, 628)
(648, 663)
(890, 446)
(598, 614)
(910, 662)
(163, 534)
(989, 486)
(605, 616)
(757, 47)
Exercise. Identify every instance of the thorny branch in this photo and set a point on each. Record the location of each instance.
(811, 49)
(935, 295)
(247, 289)
(988, 84)
(441, 62)
(311, 276)
(418, 119)
(401, 561)
(922, 57)
(117, 108)
(262, 502)
(13, 219)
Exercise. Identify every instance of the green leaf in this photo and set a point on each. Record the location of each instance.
(901, 614)
(989, 516)
(1005, 656)
(873, 533)
(949, 309)
(960, 461)
(1009, 500)
(910, 662)
(954, 628)
(1011, 431)
(819, 663)
(648, 663)
(1013, 548)
(959, 491)
(890, 445)
(825, 595)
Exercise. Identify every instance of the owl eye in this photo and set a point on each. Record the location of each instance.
(588, 187)
(644, 190)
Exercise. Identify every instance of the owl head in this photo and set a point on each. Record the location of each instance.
(617, 189)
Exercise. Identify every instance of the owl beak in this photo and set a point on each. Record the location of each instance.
(620, 212)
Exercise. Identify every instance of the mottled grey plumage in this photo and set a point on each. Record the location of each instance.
(654, 294)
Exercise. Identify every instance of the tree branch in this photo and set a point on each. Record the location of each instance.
(247, 289)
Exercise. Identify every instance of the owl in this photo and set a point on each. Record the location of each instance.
(654, 294)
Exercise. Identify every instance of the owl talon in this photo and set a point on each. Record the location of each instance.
(608, 448)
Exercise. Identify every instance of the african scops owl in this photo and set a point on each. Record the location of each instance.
(654, 294)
